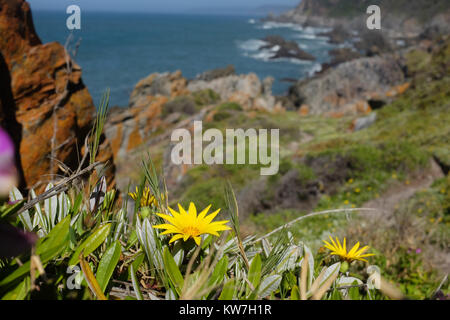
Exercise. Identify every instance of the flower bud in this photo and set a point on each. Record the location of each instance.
(8, 171)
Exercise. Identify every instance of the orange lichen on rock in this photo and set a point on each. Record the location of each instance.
(39, 82)
(304, 110)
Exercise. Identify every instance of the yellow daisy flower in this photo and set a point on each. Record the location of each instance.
(147, 199)
(187, 224)
(340, 250)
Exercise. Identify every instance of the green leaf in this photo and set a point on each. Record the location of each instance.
(51, 206)
(77, 203)
(330, 272)
(90, 278)
(135, 282)
(228, 290)
(47, 248)
(136, 263)
(219, 272)
(19, 292)
(11, 210)
(269, 285)
(132, 239)
(295, 293)
(254, 274)
(24, 217)
(91, 243)
(172, 271)
(107, 264)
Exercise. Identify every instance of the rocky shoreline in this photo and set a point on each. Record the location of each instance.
(282, 48)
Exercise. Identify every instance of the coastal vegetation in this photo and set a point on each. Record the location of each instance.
(92, 207)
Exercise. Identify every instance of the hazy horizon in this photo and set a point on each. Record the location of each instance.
(164, 6)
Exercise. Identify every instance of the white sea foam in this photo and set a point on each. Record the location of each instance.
(317, 67)
(303, 46)
(310, 36)
(264, 55)
(252, 21)
(275, 48)
(293, 61)
(251, 45)
(276, 25)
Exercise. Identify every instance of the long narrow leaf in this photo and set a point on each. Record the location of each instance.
(90, 278)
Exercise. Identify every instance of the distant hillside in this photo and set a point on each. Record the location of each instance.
(407, 18)
(421, 9)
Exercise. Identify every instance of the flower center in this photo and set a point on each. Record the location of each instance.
(192, 231)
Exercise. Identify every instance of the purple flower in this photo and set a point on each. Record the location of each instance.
(8, 172)
(14, 241)
(418, 251)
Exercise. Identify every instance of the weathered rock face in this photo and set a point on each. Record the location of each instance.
(349, 87)
(247, 90)
(127, 128)
(51, 105)
(338, 56)
(158, 84)
(216, 73)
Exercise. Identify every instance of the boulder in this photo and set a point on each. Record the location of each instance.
(216, 73)
(158, 84)
(364, 122)
(282, 48)
(47, 99)
(347, 88)
(245, 89)
(338, 56)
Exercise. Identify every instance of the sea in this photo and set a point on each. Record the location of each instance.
(116, 50)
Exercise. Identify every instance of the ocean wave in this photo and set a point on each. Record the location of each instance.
(277, 25)
(303, 46)
(252, 50)
(316, 30)
(251, 45)
(317, 67)
(252, 21)
(264, 55)
(310, 36)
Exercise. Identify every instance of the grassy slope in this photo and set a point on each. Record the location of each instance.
(348, 168)
(407, 134)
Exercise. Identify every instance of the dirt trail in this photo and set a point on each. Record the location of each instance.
(400, 191)
(388, 202)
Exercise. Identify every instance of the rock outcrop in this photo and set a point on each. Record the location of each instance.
(247, 90)
(399, 18)
(163, 101)
(283, 48)
(349, 88)
(45, 98)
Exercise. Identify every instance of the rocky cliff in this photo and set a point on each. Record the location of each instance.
(352, 87)
(44, 103)
(400, 18)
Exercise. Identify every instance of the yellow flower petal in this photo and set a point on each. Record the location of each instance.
(187, 224)
(197, 240)
(176, 237)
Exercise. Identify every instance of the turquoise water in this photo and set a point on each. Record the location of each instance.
(117, 50)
